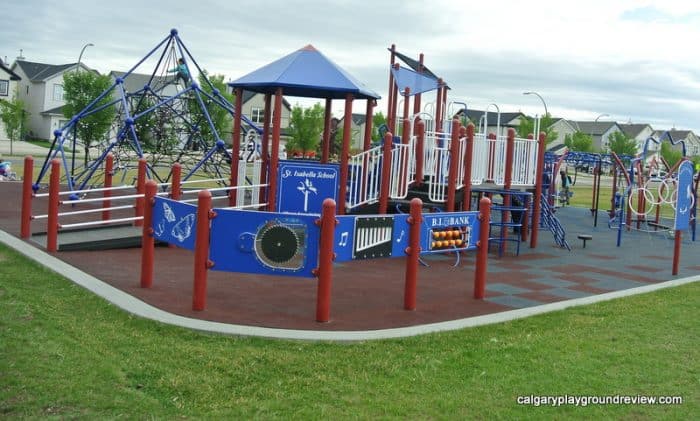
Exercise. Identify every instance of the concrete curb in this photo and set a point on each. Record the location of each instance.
(139, 308)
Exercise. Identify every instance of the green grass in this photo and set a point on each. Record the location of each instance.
(40, 142)
(66, 353)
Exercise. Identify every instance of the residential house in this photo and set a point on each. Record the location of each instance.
(253, 107)
(563, 128)
(135, 82)
(9, 81)
(640, 133)
(41, 89)
(498, 123)
(357, 130)
(691, 140)
(600, 131)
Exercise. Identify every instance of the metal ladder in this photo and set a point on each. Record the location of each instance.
(549, 221)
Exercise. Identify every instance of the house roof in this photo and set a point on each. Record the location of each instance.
(136, 81)
(633, 130)
(13, 75)
(305, 73)
(594, 128)
(675, 134)
(37, 72)
(506, 118)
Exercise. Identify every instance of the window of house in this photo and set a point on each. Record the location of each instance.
(257, 114)
(4, 87)
(57, 92)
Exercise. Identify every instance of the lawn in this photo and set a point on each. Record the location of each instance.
(68, 354)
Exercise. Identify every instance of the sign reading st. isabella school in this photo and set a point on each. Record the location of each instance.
(303, 186)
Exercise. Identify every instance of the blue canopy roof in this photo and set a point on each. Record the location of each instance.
(416, 82)
(306, 73)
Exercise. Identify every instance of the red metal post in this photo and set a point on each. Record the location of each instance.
(201, 251)
(413, 254)
(326, 141)
(140, 189)
(175, 186)
(468, 160)
(26, 218)
(54, 188)
(386, 174)
(345, 155)
(676, 251)
(369, 115)
(235, 145)
(420, 150)
(390, 99)
(406, 127)
(510, 149)
(147, 240)
(417, 97)
(109, 173)
(175, 182)
(454, 164)
(325, 260)
(275, 152)
(438, 108)
(536, 204)
(482, 253)
(394, 100)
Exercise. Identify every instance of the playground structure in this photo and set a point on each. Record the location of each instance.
(648, 194)
(434, 163)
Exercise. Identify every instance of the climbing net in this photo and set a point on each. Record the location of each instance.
(160, 117)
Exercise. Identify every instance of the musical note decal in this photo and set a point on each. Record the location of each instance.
(344, 239)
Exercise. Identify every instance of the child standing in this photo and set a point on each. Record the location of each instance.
(181, 70)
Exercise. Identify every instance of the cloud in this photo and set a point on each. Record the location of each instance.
(627, 58)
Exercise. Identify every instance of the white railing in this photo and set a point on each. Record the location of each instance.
(401, 156)
(480, 162)
(248, 191)
(439, 173)
(524, 162)
(497, 158)
(364, 177)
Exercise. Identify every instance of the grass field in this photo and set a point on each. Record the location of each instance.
(65, 353)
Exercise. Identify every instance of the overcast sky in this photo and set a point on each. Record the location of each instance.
(636, 61)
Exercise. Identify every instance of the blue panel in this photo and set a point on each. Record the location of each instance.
(174, 222)
(685, 195)
(401, 229)
(415, 82)
(303, 186)
(346, 247)
(344, 237)
(449, 231)
(264, 243)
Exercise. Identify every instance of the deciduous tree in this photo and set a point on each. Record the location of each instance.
(80, 88)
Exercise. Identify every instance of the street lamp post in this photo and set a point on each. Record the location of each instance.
(81, 54)
(602, 115)
(541, 99)
(77, 69)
